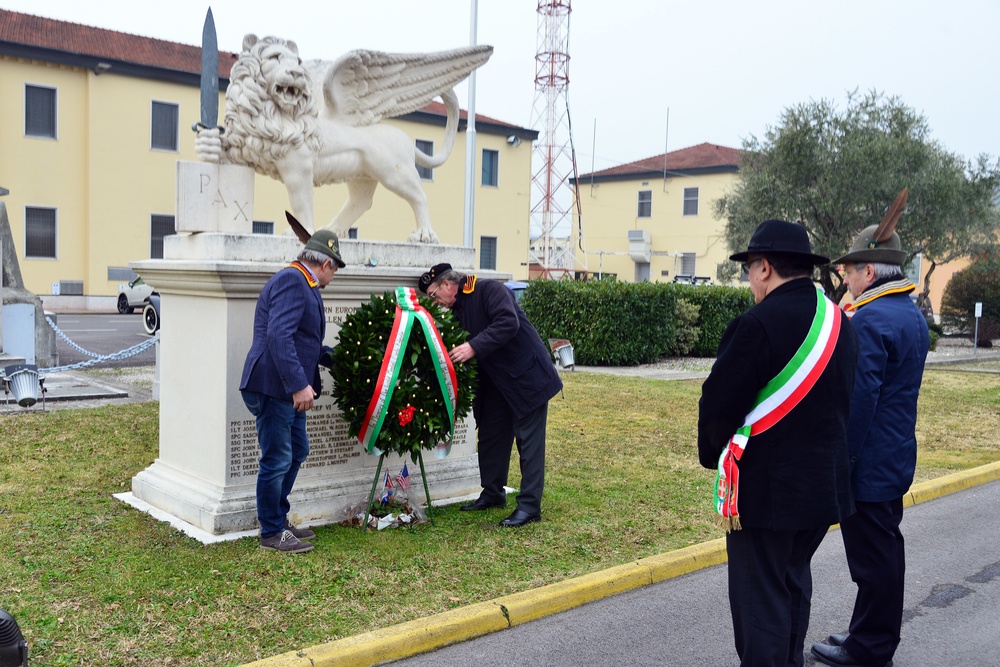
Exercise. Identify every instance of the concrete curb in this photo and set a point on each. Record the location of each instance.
(458, 625)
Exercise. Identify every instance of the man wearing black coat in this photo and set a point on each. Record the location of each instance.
(793, 477)
(516, 380)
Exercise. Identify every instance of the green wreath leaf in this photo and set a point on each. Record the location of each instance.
(357, 361)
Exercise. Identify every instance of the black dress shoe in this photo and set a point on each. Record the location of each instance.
(836, 639)
(520, 518)
(479, 504)
(837, 655)
(834, 655)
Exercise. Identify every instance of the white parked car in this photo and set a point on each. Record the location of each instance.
(134, 295)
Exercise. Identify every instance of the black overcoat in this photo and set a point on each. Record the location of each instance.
(795, 475)
(509, 351)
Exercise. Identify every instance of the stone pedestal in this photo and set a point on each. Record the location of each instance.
(205, 473)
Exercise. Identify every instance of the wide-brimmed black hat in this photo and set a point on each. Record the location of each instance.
(780, 237)
(432, 274)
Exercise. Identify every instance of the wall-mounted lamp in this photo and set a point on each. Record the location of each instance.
(514, 140)
(101, 68)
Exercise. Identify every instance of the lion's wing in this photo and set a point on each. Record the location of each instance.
(363, 87)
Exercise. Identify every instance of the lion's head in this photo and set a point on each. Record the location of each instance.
(269, 105)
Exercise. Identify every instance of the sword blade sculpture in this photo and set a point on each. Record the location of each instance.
(209, 76)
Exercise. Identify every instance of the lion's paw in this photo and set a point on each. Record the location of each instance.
(423, 236)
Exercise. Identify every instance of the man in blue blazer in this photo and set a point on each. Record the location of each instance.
(881, 436)
(516, 380)
(281, 381)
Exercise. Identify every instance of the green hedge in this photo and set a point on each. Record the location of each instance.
(613, 323)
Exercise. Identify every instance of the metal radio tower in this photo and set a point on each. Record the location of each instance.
(553, 158)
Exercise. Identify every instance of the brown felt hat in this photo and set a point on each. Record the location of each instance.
(866, 250)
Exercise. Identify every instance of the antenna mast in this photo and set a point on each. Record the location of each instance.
(553, 157)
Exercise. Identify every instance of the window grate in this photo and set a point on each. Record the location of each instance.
(164, 123)
(40, 112)
(491, 167)
(160, 227)
(488, 253)
(40, 233)
(426, 173)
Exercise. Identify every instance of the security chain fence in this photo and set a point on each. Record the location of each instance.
(96, 358)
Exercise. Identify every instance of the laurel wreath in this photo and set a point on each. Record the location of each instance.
(417, 418)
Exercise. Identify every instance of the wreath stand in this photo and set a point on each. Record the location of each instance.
(378, 472)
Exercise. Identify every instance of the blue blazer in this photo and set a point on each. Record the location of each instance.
(288, 329)
(881, 437)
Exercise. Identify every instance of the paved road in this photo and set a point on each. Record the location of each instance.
(950, 618)
(102, 334)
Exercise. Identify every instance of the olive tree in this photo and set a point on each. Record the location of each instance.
(837, 171)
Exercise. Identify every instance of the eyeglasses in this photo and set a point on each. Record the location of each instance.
(431, 293)
(746, 265)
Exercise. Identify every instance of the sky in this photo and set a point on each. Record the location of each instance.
(720, 70)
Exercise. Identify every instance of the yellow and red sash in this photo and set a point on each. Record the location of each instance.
(309, 276)
(902, 286)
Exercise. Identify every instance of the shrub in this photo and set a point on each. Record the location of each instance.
(609, 323)
(615, 323)
(934, 339)
(718, 305)
(978, 282)
(686, 329)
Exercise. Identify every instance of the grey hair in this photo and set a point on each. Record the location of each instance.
(313, 257)
(883, 270)
(452, 276)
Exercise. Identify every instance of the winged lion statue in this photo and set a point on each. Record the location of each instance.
(313, 123)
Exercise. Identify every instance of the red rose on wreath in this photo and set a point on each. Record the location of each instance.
(406, 415)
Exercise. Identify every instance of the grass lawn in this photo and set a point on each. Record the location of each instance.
(92, 581)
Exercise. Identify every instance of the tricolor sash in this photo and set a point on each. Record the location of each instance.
(408, 311)
(776, 400)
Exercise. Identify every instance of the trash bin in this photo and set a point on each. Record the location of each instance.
(562, 350)
(23, 382)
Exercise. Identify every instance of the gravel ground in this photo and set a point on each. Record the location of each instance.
(947, 350)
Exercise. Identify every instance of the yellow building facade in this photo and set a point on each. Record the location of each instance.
(654, 219)
(94, 122)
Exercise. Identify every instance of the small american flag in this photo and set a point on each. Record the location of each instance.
(386, 490)
(403, 479)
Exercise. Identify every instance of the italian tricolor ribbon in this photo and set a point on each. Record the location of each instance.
(408, 311)
(776, 400)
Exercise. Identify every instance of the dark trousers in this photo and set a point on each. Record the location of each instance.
(876, 558)
(770, 591)
(498, 430)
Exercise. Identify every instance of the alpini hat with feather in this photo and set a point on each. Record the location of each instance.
(880, 243)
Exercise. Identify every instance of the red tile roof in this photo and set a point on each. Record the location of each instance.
(84, 40)
(702, 156)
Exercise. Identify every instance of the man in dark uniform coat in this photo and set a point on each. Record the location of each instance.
(893, 342)
(516, 380)
(793, 477)
(281, 380)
